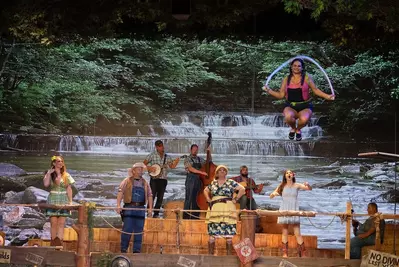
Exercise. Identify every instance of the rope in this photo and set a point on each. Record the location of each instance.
(123, 232)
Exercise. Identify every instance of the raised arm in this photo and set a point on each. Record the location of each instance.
(318, 92)
(47, 178)
(275, 193)
(277, 94)
(304, 186)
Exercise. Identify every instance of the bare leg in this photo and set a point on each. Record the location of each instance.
(284, 239)
(290, 116)
(53, 227)
(299, 239)
(60, 227)
(303, 119)
(284, 234)
(297, 232)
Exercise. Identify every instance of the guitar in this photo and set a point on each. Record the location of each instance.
(158, 168)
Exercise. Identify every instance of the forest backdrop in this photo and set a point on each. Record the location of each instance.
(68, 65)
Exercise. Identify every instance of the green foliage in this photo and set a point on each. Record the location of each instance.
(73, 86)
(104, 260)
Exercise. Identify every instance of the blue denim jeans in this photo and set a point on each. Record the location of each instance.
(193, 186)
(132, 225)
(357, 244)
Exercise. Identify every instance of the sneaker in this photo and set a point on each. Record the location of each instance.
(298, 136)
(291, 135)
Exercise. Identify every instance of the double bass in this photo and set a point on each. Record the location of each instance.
(210, 169)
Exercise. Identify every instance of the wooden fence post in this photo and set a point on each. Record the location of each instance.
(83, 250)
(248, 225)
(348, 230)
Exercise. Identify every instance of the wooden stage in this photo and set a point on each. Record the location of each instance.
(49, 256)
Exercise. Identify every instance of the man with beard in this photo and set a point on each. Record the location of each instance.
(159, 182)
(247, 201)
(193, 165)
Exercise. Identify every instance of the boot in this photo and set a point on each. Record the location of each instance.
(285, 249)
(229, 248)
(301, 250)
(56, 242)
(211, 247)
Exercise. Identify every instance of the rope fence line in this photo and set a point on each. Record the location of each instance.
(189, 211)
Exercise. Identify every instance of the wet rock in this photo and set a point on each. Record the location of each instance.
(335, 171)
(10, 170)
(83, 184)
(335, 164)
(24, 218)
(331, 185)
(14, 197)
(104, 221)
(8, 184)
(381, 179)
(33, 195)
(374, 173)
(391, 196)
(27, 234)
(35, 180)
(350, 169)
(13, 214)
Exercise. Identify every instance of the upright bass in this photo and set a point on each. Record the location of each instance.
(210, 169)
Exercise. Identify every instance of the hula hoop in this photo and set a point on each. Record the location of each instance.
(302, 57)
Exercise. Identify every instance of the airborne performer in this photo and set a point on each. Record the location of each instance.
(295, 89)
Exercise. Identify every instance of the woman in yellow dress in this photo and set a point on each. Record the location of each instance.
(222, 218)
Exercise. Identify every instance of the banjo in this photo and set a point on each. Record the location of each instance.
(158, 168)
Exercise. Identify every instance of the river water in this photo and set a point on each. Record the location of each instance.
(260, 142)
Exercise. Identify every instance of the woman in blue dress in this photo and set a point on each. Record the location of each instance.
(288, 190)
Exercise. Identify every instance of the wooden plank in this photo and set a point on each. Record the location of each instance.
(51, 256)
(169, 260)
(348, 231)
(381, 155)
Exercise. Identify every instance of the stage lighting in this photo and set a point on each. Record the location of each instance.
(121, 261)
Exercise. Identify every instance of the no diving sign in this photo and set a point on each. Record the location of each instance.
(380, 259)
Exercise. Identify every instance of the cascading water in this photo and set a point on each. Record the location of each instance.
(233, 134)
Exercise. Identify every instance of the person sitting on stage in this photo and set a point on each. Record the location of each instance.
(364, 233)
(136, 194)
(295, 89)
(60, 183)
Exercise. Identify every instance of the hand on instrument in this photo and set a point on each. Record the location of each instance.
(331, 97)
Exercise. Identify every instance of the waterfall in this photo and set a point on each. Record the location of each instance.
(233, 134)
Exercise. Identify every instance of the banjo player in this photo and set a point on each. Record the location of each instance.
(157, 164)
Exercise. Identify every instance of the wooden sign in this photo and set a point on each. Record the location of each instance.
(5, 255)
(246, 251)
(285, 263)
(34, 258)
(185, 262)
(380, 259)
